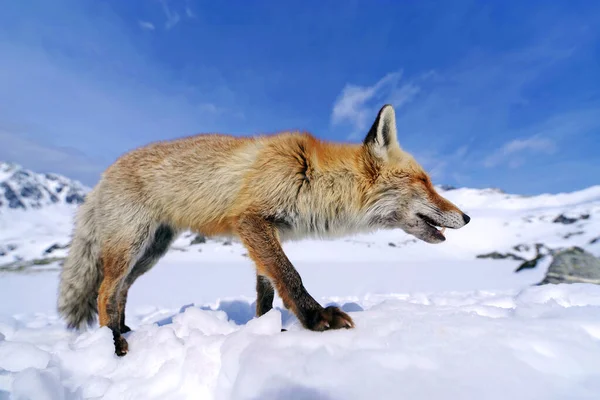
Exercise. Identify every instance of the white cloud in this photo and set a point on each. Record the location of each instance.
(534, 144)
(512, 152)
(357, 105)
(545, 137)
(173, 17)
(149, 26)
(210, 108)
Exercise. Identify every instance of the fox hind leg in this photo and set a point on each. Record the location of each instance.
(118, 253)
(265, 293)
(163, 237)
(115, 265)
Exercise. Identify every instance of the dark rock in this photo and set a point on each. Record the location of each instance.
(54, 247)
(4, 250)
(521, 247)
(595, 240)
(570, 234)
(541, 251)
(561, 219)
(529, 264)
(52, 196)
(573, 265)
(448, 187)
(501, 256)
(541, 248)
(392, 244)
(11, 197)
(74, 197)
(198, 239)
(30, 191)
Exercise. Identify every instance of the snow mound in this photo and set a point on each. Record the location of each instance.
(541, 342)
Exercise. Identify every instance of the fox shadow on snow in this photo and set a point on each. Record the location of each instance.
(240, 311)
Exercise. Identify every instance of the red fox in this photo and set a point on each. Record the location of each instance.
(263, 189)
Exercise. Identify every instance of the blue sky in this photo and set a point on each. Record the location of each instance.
(487, 93)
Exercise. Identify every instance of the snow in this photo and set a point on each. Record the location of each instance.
(32, 232)
(539, 342)
(15, 356)
(432, 321)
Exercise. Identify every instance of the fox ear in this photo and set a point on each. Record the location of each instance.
(382, 135)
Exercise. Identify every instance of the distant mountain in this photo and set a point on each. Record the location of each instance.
(23, 189)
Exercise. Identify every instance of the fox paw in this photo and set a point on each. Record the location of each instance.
(125, 329)
(328, 318)
(121, 346)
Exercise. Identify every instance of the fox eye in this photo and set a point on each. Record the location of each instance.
(423, 179)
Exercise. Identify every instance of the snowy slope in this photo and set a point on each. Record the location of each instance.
(540, 343)
(36, 213)
(433, 321)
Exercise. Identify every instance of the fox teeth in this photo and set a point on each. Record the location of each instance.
(443, 230)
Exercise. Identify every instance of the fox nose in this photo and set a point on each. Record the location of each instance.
(466, 218)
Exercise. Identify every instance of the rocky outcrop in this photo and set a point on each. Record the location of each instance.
(541, 251)
(198, 239)
(501, 256)
(55, 247)
(6, 248)
(562, 219)
(573, 265)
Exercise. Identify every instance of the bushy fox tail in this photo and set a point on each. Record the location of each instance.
(82, 271)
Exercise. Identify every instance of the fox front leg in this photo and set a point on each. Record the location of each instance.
(262, 241)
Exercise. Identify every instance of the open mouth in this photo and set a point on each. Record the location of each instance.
(432, 228)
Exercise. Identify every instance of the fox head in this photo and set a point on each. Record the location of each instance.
(400, 193)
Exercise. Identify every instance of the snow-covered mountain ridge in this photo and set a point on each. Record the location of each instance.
(23, 189)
